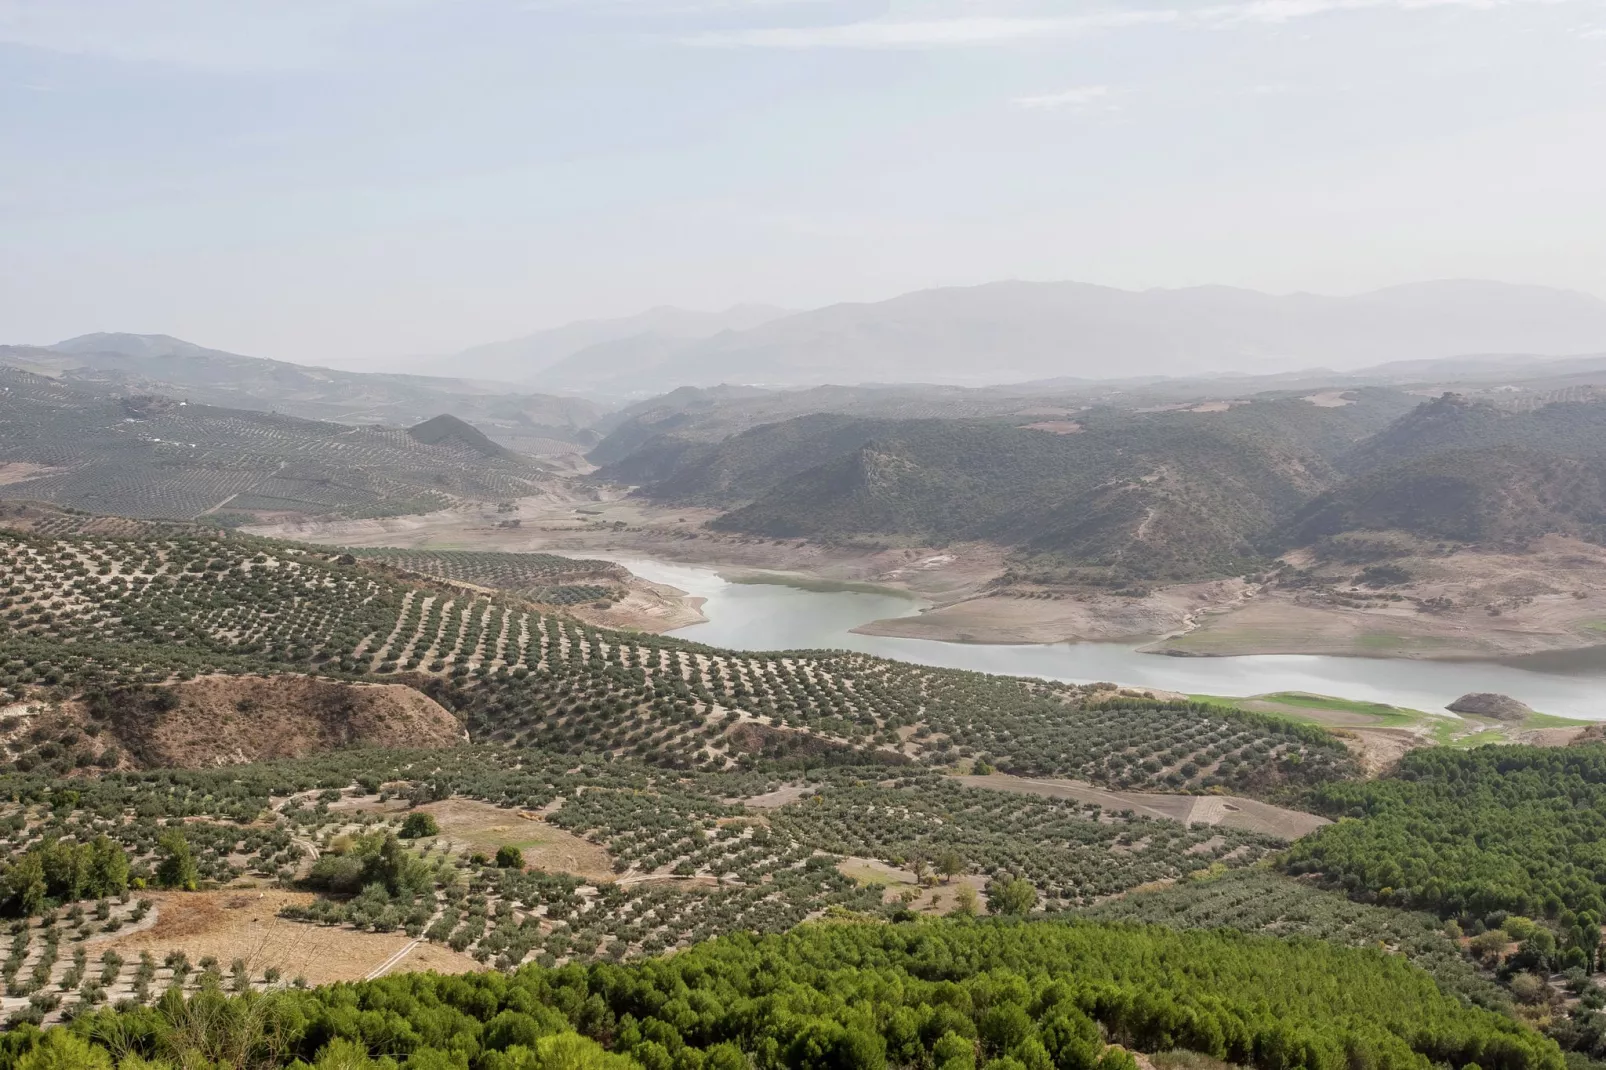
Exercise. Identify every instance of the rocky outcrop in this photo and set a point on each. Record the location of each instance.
(1490, 704)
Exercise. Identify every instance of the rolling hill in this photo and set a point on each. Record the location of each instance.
(1503, 494)
(1470, 471)
(151, 456)
(1114, 495)
(158, 364)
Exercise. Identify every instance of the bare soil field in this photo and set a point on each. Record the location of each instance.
(646, 607)
(774, 800)
(244, 924)
(22, 471)
(940, 898)
(1226, 811)
(482, 827)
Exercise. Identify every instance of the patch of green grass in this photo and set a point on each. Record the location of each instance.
(1377, 714)
(1444, 729)
(1309, 701)
(1550, 720)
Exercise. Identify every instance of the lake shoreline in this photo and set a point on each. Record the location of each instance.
(792, 597)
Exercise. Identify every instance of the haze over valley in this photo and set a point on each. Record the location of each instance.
(794, 535)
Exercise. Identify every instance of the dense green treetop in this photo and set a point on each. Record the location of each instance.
(865, 997)
(1517, 829)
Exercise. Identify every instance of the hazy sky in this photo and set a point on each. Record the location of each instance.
(341, 180)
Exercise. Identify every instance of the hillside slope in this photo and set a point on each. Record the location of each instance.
(1504, 494)
(157, 364)
(1115, 495)
(156, 457)
(1455, 422)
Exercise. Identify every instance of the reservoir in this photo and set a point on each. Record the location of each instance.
(783, 616)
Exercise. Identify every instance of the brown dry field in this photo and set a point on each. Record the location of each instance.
(19, 471)
(1225, 811)
(243, 923)
(646, 607)
(483, 827)
(467, 825)
(940, 898)
(774, 800)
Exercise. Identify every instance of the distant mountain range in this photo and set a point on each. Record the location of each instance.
(1013, 332)
(578, 356)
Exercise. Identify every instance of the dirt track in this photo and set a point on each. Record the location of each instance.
(244, 924)
(1226, 811)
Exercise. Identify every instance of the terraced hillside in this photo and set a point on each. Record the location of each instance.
(660, 792)
(652, 860)
(545, 578)
(89, 612)
(620, 796)
(157, 457)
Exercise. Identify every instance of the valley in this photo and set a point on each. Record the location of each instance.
(544, 535)
(800, 681)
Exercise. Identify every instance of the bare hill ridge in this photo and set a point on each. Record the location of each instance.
(226, 720)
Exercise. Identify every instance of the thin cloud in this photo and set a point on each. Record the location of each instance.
(980, 31)
(930, 33)
(1073, 99)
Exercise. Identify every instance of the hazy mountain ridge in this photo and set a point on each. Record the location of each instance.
(545, 356)
(1006, 332)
